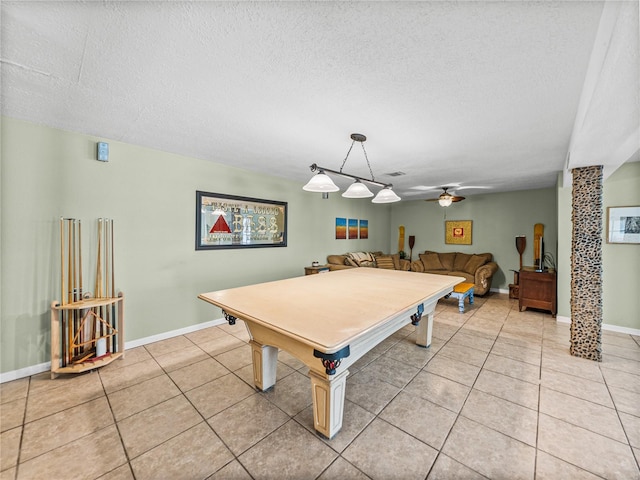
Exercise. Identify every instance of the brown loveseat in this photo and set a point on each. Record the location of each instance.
(367, 259)
(477, 269)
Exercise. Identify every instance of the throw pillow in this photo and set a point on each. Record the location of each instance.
(460, 261)
(365, 263)
(385, 261)
(431, 261)
(474, 263)
(349, 262)
(336, 259)
(359, 257)
(396, 260)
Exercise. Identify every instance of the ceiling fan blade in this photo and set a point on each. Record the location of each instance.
(457, 199)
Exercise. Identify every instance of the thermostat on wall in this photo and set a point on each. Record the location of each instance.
(103, 151)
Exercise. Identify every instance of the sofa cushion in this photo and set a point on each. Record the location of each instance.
(385, 261)
(336, 259)
(468, 278)
(460, 261)
(487, 256)
(474, 263)
(447, 259)
(359, 257)
(431, 261)
(396, 260)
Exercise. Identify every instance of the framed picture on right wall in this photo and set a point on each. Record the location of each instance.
(457, 232)
(623, 224)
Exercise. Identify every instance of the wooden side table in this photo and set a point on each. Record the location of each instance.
(314, 270)
(538, 290)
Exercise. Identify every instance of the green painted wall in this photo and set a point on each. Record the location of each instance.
(497, 219)
(48, 173)
(621, 275)
(564, 249)
(621, 262)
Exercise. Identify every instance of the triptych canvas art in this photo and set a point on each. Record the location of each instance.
(351, 228)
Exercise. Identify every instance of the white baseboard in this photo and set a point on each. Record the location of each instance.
(25, 372)
(606, 326)
(173, 333)
(45, 367)
(499, 290)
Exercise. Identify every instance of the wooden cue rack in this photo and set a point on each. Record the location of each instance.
(86, 310)
(87, 331)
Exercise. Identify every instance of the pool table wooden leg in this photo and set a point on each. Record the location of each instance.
(265, 364)
(328, 402)
(424, 331)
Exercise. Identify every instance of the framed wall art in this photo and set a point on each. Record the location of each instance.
(623, 224)
(457, 232)
(364, 229)
(228, 221)
(341, 228)
(353, 228)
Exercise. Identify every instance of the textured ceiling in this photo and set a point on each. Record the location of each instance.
(473, 93)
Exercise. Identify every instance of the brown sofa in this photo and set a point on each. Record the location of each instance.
(367, 259)
(477, 269)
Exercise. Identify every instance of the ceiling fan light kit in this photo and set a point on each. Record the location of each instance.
(445, 199)
(357, 189)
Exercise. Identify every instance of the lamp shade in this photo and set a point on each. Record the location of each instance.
(321, 183)
(445, 200)
(357, 190)
(386, 195)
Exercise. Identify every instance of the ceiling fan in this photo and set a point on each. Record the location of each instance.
(445, 199)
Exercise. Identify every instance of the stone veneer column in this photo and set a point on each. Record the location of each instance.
(586, 263)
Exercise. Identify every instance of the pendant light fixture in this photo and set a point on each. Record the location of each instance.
(322, 183)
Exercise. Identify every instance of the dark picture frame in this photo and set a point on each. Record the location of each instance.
(230, 221)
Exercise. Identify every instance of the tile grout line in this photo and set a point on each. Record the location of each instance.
(459, 413)
(115, 423)
(624, 430)
(183, 394)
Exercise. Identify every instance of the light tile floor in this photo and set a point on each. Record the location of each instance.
(496, 396)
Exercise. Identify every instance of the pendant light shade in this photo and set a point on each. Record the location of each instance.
(386, 195)
(357, 190)
(321, 183)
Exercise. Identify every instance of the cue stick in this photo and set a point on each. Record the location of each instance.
(113, 290)
(62, 296)
(69, 296)
(107, 313)
(74, 290)
(84, 334)
(98, 293)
